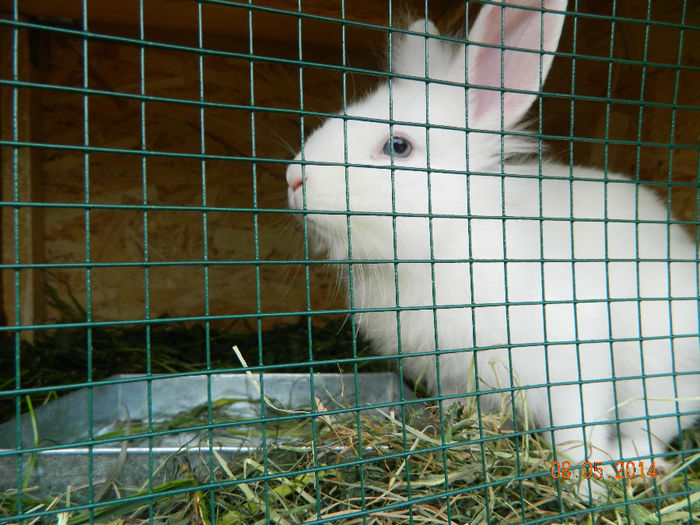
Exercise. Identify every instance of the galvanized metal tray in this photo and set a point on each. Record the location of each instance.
(83, 438)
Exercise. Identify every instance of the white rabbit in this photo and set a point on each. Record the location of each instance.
(566, 289)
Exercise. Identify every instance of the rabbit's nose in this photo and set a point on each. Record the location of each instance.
(294, 176)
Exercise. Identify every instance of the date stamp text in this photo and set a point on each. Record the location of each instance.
(623, 469)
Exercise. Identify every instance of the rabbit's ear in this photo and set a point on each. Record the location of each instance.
(526, 24)
(408, 52)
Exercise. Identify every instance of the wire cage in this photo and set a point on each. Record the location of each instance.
(175, 349)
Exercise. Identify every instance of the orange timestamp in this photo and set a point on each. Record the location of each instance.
(623, 469)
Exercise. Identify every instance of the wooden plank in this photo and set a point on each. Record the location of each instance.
(20, 173)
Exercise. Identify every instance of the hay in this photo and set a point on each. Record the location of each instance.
(422, 469)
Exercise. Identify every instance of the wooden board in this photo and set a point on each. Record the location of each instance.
(21, 290)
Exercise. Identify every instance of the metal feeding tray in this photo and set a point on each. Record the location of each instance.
(179, 418)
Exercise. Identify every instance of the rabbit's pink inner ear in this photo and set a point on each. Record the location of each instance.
(495, 65)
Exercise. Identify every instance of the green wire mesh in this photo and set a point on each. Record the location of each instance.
(169, 242)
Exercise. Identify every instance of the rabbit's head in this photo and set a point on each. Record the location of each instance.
(403, 148)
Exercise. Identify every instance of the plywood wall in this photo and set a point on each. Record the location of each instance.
(118, 238)
(656, 104)
(116, 234)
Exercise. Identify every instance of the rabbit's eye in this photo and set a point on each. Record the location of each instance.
(399, 146)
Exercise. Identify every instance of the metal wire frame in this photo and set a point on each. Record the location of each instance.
(203, 208)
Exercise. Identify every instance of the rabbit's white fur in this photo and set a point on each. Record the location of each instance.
(595, 277)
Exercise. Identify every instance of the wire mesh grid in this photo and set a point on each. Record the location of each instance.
(195, 355)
